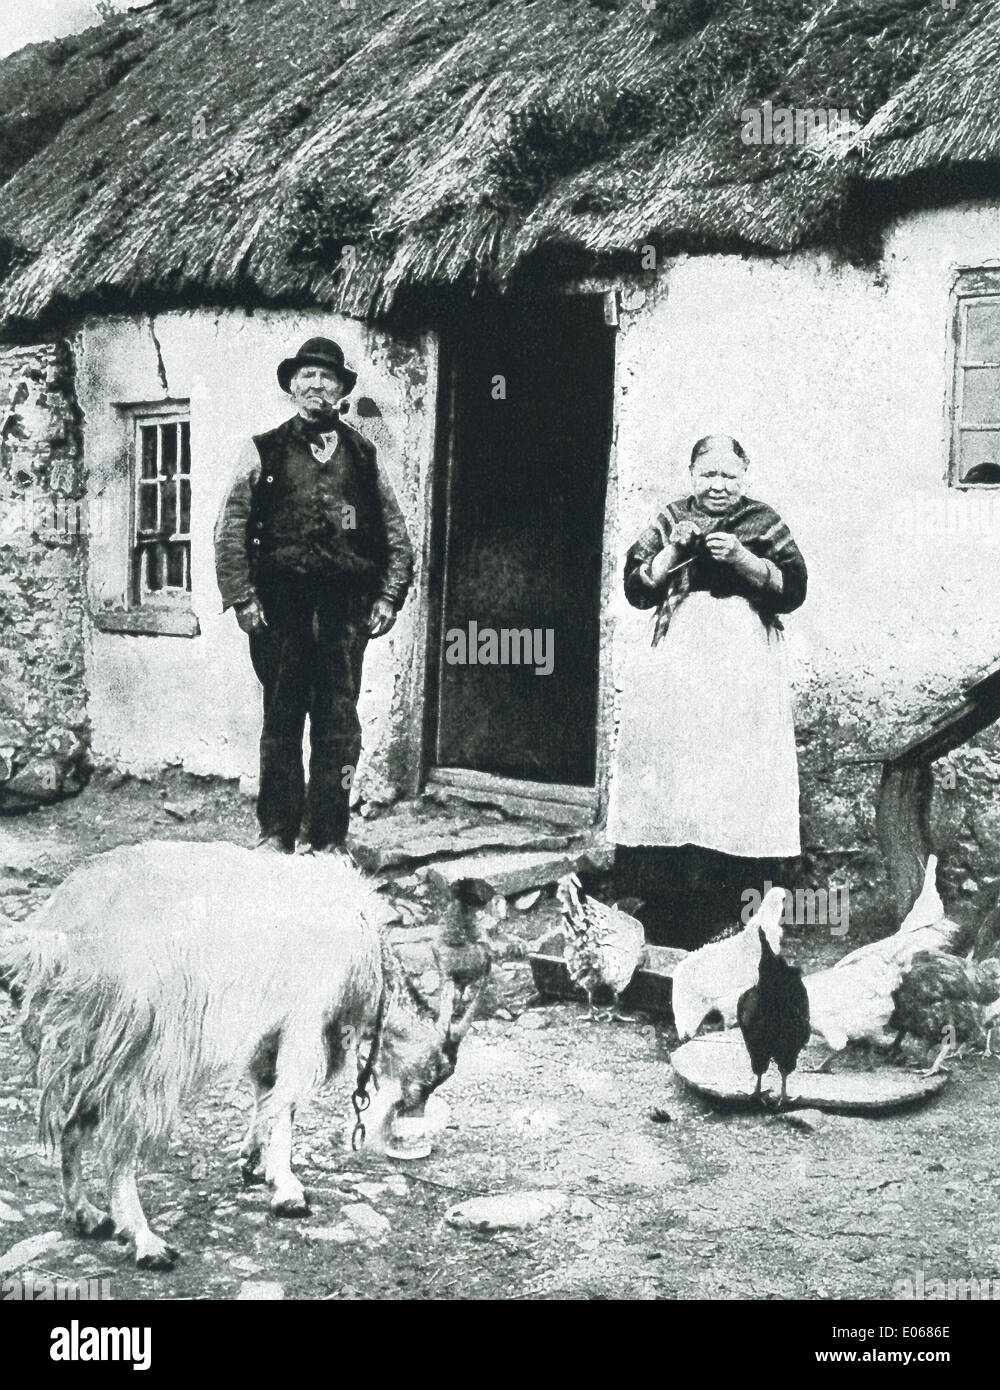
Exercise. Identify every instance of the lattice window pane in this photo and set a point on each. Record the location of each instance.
(982, 340)
(168, 450)
(152, 554)
(177, 565)
(149, 451)
(981, 396)
(168, 514)
(148, 499)
(977, 449)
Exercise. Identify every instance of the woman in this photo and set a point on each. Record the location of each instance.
(706, 751)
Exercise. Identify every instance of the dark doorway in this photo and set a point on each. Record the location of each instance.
(521, 525)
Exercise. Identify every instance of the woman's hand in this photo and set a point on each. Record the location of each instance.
(683, 534)
(730, 550)
(681, 539)
(727, 548)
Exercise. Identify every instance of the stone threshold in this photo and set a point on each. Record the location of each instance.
(490, 856)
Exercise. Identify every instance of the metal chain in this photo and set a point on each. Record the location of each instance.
(366, 1074)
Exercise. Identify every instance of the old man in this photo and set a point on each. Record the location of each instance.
(311, 551)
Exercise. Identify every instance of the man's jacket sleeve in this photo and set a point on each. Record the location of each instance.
(232, 567)
(399, 551)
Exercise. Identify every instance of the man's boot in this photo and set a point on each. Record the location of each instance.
(272, 844)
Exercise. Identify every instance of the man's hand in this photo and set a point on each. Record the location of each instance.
(250, 616)
(382, 619)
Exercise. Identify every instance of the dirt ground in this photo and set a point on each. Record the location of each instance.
(691, 1204)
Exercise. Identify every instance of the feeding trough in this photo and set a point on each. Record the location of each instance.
(649, 990)
(717, 1066)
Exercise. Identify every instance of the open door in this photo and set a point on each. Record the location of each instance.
(520, 551)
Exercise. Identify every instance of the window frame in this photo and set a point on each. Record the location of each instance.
(142, 612)
(168, 596)
(972, 285)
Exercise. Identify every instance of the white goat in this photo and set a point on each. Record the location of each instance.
(159, 967)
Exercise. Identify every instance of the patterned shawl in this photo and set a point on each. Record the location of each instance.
(761, 530)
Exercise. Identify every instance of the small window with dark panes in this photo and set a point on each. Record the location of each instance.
(161, 545)
(975, 386)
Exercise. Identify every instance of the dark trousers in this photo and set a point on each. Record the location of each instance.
(308, 659)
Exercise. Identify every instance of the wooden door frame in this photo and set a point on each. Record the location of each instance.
(564, 803)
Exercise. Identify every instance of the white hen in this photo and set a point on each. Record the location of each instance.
(715, 976)
(852, 1001)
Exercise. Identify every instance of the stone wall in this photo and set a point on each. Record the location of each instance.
(44, 732)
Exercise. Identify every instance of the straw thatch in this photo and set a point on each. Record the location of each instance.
(946, 114)
(357, 153)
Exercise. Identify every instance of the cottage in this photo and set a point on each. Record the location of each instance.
(550, 197)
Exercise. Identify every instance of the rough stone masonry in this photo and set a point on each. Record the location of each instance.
(43, 706)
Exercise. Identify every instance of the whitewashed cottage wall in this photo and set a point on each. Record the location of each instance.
(836, 380)
(195, 701)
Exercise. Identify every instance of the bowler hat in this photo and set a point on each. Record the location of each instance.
(317, 352)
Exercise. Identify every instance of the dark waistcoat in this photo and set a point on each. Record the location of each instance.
(316, 521)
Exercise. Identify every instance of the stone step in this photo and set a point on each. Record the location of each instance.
(385, 849)
(486, 876)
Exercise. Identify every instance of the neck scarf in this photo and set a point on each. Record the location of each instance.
(760, 529)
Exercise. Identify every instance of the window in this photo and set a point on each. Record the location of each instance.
(142, 568)
(161, 552)
(975, 388)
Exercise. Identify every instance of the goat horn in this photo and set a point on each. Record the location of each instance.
(458, 1030)
(446, 1011)
(418, 997)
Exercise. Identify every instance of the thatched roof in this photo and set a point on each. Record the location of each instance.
(946, 114)
(221, 151)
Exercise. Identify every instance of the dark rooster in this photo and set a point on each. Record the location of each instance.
(773, 1016)
(950, 1002)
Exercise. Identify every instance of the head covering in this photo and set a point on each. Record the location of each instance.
(317, 352)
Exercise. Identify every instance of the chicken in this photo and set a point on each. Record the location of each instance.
(604, 946)
(945, 1000)
(773, 1016)
(715, 976)
(853, 1000)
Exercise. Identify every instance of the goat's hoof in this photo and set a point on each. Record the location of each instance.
(90, 1223)
(164, 1257)
(251, 1175)
(291, 1206)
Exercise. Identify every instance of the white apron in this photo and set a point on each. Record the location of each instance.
(706, 746)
